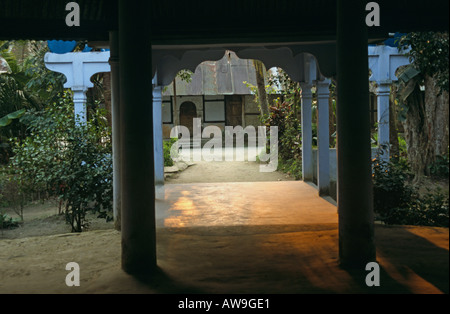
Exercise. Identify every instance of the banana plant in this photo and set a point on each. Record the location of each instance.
(6, 120)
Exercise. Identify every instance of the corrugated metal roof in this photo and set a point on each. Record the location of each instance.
(223, 77)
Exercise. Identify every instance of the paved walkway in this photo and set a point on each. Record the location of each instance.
(280, 237)
(242, 203)
(228, 238)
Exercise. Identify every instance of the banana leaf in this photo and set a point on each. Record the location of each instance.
(6, 120)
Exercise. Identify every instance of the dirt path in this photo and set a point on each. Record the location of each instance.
(223, 171)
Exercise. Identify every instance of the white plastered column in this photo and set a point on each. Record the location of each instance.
(307, 162)
(78, 67)
(383, 62)
(323, 137)
(383, 93)
(309, 76)
(158, 134)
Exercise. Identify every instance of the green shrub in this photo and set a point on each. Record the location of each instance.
(439, 169)
(167, 146)
(390, 189)
(292, 167)
(283, 114)
(71, 161)
(396, 202)
(7, 222)
(432, 209)
(429, 210)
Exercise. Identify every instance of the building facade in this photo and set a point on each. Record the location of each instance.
(218, 94)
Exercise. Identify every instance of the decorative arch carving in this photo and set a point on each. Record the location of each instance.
(303, 62)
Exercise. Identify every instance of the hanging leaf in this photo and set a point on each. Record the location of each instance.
(408, 89)
(6, 120)
(409, 73)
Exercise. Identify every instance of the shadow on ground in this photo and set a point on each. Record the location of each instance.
(272, 259)
(298, 259)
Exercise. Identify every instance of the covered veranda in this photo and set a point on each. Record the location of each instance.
(139, 26)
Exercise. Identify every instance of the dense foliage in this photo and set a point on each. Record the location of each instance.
(7, 222)
(27, 84)
(168, 152)
(429, 54)
(72, 162)
(398, 202)
(284, 115)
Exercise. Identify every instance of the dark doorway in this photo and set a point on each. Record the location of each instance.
(234, 110)
(188, 112)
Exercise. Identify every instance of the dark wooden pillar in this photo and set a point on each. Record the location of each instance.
(355, 205)
(136, 139)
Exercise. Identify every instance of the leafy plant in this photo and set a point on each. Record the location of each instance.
(7, 222)
(429, 55)
(68, 160)
(440, 167)
(6, 120)
(396, 202)
(430, 210)
(389, 187)
(26, 85)
(283, 113)
(167, 147)
(292, 167)
(289, 130)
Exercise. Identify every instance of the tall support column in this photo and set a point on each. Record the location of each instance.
(158, 135)
(136, 125)
(307, 164)
(323, 138)
(355, 200)
(383, 93)
(79, 103)
(115, 115)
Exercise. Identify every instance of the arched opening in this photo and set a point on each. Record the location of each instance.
(188, 112)
(227, 97)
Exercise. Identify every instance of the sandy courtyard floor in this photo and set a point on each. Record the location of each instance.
(252, 245)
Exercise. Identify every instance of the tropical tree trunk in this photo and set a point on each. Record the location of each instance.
(261, 85)
(393, 129)
(437, 112)
(107, 96)
(416, 137)
(426, 127)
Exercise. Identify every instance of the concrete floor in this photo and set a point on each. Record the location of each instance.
(242, 203)
(280, 237)
(233, 238)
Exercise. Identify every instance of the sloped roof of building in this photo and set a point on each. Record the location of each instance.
(222, 77)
